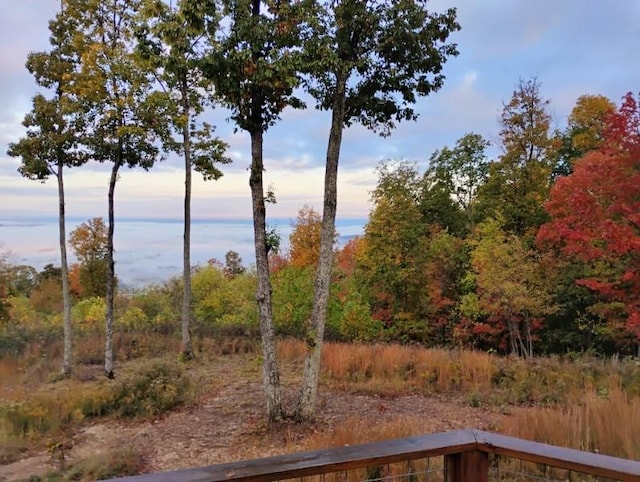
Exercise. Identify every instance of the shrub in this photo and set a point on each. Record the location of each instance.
(22, 312)
(153, 388)
(13, 341)
(89, 313)
(115, 463)
(135, 319)
(41, 414)
(146, 391)
(357, 324)
(112, 464)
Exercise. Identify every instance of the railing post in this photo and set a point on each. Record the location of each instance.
(472, 466)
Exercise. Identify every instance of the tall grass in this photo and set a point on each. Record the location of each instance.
(356, 431)
(589, 404)
(485, 379)
(607, 423)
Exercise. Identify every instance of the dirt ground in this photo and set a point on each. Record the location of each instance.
(228, 424)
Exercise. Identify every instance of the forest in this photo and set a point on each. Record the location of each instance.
(505, 274)
(534, 252)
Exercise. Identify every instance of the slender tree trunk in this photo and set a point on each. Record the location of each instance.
(522, 350)
(270, 371)
(187, 347)
(111, 274)
(529, 336)
(314, 333)
(67, 359)
(512, 335)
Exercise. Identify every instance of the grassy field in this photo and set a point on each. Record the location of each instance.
(588, 404)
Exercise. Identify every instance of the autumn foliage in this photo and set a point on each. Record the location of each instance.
(595, 214)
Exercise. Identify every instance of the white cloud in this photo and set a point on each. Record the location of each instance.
(573, 47)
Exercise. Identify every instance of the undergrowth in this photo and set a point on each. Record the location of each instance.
(111, 464)
(484, 379)
(607, 422)
(143, 390)
(585, 403)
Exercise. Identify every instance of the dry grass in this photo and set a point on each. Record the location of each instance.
(355, 431)
(607, 423)
(407, 368)
(9, 374)
(591, 404)
(484, 379)
(119, 462)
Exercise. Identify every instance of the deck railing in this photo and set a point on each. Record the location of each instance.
(460, 456)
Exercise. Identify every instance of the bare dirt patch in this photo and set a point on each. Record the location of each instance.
(228, 424)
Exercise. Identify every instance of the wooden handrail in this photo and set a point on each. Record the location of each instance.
(391, 451)
(560, 457)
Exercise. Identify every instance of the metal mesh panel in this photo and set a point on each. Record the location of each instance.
(421, 470)
(516, 470)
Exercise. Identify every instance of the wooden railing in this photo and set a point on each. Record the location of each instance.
(464, 456)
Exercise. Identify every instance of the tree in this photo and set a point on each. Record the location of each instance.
(510, 290)
(519, 182)
(233, 264)
(459, 173)
(439, 208)
(446, 261)
(368, 63)
(24, 279)
(89, 241)
(304, 241)
(292, 299)
(122, 119)
(54, 128)
(174, 41)
(255, 70)
(395, 243)
(584, 132)
(595, 214)
(5, 268)
(49, 271)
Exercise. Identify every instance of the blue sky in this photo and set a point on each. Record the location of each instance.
(573, 47)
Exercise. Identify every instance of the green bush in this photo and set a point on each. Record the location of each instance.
(22, 312)
(41, 414)
(89, 313)
(357, 325)
(158, 304)
(154, 388)
(148, 390)
(228, 308)
(135, 319)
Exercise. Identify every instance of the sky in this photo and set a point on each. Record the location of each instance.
(573, 47)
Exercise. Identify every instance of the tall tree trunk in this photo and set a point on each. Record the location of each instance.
(270, 372)
(512, 335)
(187, 347)
(111, 274)
(67, 359)
(527, 327)
(314, 333)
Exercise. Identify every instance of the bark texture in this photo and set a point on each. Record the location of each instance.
(314, 335)
(187, 347)
(67, 358)
(270, 371)
(111, 277)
